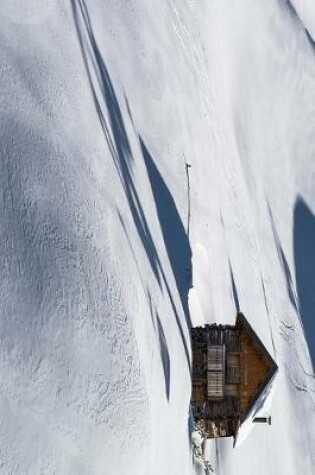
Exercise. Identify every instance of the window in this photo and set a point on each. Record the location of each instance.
(199, 362)
(231, 390)
(233, 370)
(198, 392)
(233, 374)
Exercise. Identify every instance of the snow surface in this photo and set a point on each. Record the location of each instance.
(104, 225)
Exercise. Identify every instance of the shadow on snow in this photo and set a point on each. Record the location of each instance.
(284, 264)
(234, 289)
(174, 234)
(303, 300)
(113, 126)
(111, 120)
(304, 256)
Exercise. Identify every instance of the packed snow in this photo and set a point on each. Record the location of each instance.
(157, 172)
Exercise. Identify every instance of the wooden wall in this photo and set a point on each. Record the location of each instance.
(245, 370)
(254, 368)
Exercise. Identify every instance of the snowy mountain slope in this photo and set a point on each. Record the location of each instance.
(304, 10)
(87, 285)
(261, 233)
(103, 105)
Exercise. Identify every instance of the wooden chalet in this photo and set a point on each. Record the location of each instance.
(231, 373)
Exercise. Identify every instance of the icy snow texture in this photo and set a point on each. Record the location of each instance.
(103, 104)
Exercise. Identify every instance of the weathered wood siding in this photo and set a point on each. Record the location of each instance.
(206, 404)
(253, 370)
(230, 369)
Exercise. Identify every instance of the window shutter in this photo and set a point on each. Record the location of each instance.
(215, 385)
(215, 373)
(215, 358)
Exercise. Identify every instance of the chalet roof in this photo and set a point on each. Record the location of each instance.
(264, 389)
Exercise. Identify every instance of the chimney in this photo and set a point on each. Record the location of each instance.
(263, 420)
